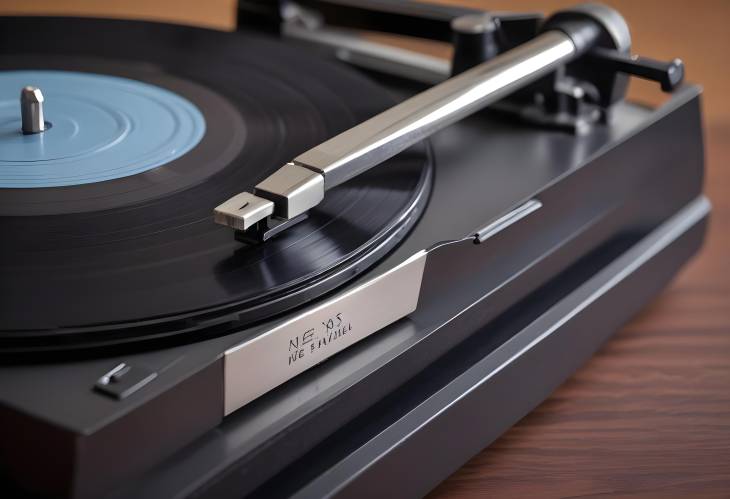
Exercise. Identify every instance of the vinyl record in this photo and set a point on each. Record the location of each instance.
(106, 217)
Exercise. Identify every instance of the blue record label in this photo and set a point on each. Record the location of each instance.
(101, 128)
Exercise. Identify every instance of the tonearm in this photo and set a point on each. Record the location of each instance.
(575, 64)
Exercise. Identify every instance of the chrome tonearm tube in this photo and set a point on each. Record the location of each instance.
(287, 194)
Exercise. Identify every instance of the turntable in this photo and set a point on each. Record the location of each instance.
(292, 260)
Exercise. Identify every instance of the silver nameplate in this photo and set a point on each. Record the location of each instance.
(256, 366)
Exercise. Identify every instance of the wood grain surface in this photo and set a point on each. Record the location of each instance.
(649, 415)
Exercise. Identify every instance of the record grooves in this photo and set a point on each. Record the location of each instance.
(137, 257)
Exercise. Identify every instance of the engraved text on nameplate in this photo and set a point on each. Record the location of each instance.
(258, 365)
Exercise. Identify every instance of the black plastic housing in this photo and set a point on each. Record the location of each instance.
(601, 194)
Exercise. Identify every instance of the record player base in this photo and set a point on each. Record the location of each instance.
(499, 325)
(414, 438)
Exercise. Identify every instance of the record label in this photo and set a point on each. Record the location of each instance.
(100, 127)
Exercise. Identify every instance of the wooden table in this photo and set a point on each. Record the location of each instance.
(649, 415)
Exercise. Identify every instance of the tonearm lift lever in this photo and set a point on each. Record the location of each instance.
(558, 53)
